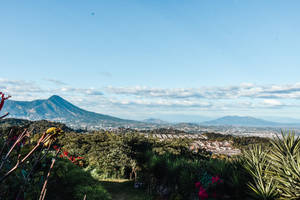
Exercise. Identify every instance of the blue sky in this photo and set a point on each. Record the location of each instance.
(139, 59)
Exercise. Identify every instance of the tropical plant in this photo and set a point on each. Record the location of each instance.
(258, 165)
(285, 165)
(275, 171)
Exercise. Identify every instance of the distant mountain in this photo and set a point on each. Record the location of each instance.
(241, 121)
(58, 109)
(155, 121)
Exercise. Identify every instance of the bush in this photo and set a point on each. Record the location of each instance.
(68, 181)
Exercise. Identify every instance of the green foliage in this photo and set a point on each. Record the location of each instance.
(276, 170)
(232, 172)
(68, 181)
(158, 164)
(125, 190)
(104, 152)
(172, 172)
(165, 168)
(257, 164)
(285, 165)
(110, 155)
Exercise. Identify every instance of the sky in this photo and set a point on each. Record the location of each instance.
(175, 60)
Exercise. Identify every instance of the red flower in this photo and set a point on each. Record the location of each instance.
(215, 179)
(66, 153)
(197, 184)
(202, 194)
(3, 99)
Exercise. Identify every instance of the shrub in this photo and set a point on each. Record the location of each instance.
(69, 181)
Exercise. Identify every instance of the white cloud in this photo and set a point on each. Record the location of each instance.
(272, 102)
(233, 92)
(29, 90)
(247, 98)
(162, 103)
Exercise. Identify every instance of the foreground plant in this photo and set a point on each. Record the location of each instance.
(285, 165)
(43, 143)
(11, 152)
(275, 172)
(257, 164)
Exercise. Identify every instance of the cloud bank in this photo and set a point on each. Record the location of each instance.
(134, 101)
(232, 92)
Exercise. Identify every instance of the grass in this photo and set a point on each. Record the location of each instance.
(123, 190)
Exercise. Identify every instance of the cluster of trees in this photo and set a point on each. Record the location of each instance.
(110, 155)
(162, 168)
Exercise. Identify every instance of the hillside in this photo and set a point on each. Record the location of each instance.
(241, 121)
(58, 109)
(155, 121)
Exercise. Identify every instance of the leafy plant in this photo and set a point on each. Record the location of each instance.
(257, 164)
(276, 171)
(285, 165)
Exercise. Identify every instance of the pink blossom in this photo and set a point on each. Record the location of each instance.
(197, 184)
(202, 194)
(215, 179)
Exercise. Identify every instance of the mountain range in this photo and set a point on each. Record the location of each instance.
(247, 121)
(155, 121)
(58, 109)
(240, 121)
